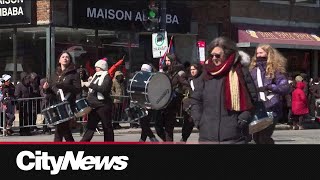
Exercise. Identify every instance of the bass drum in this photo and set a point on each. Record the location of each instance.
(150, 90)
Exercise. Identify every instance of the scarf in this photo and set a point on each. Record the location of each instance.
(237, 97)
(98, 78)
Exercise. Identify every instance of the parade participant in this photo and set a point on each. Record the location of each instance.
(221, 103)
(268, 70)
(100, 101)
(187, 127)
(65, 84)
(145, 121)
(165, 124)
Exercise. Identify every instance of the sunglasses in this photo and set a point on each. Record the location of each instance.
(215, 55)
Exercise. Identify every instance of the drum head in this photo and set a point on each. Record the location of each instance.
(159, 91)
(83, 112)
(258, 125)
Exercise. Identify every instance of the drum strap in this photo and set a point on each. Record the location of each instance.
(98, 78)
(192, 85)
(62, 96)
(260, 84)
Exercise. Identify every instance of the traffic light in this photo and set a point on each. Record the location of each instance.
(151, 22)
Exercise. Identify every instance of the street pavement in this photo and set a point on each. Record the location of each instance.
(282, 135)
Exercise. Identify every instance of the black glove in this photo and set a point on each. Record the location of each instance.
(262, 89)
(242, 123)
(59, 85)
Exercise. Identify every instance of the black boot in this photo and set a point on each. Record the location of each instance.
(87, 136)
(154, 139)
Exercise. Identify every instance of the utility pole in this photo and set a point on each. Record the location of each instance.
(163, 14)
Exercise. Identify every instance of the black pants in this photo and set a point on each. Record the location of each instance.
(164, 123)
(102, 114)
(63, 130)
(187, 126)
(145, 126)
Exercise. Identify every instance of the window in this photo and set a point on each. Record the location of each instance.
(309, 3)
(275, 1)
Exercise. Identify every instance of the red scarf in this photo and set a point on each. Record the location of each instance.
(236, 94)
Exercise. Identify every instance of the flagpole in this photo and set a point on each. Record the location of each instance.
(162, 59)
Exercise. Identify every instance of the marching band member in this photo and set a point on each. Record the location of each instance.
(268, 70)
(65, 85)
(100, 100)
(175, 70)
(145, 121)
(187, 127)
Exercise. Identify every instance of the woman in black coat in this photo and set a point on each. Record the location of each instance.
(194, 80)
(66, 81)
(222, 105)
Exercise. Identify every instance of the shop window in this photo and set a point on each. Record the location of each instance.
(275, 1)
(310, 3)
(31, 50)
(6, 51)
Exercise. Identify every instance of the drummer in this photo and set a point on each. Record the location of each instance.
(176, 72)
(193, 79)
(268, 70)
(66, 86)
(145, 121)
(100, 101)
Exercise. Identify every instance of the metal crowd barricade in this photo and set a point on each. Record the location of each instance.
(26, 112)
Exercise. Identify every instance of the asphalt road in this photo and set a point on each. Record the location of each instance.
(307, 136)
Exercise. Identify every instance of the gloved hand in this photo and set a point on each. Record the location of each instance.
(262, 89)
(242, 123)
(59, 85)
(85, 84)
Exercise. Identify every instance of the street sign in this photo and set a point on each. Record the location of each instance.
(159, 44)
(201, 51)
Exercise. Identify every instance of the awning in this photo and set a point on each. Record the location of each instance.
(278, 37)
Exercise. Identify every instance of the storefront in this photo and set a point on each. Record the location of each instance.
(299, 45)
(89, 30)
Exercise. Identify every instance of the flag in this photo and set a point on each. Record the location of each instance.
(169, 50)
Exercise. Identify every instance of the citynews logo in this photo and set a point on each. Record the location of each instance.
(42, 161)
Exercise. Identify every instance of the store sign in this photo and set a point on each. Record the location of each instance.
(119, 15)
(15, 12)
(278, 35)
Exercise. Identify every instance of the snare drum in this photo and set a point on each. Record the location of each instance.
(150, 90)
(82, 107)
(260, 121)
(58, 113)
(135, 113)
